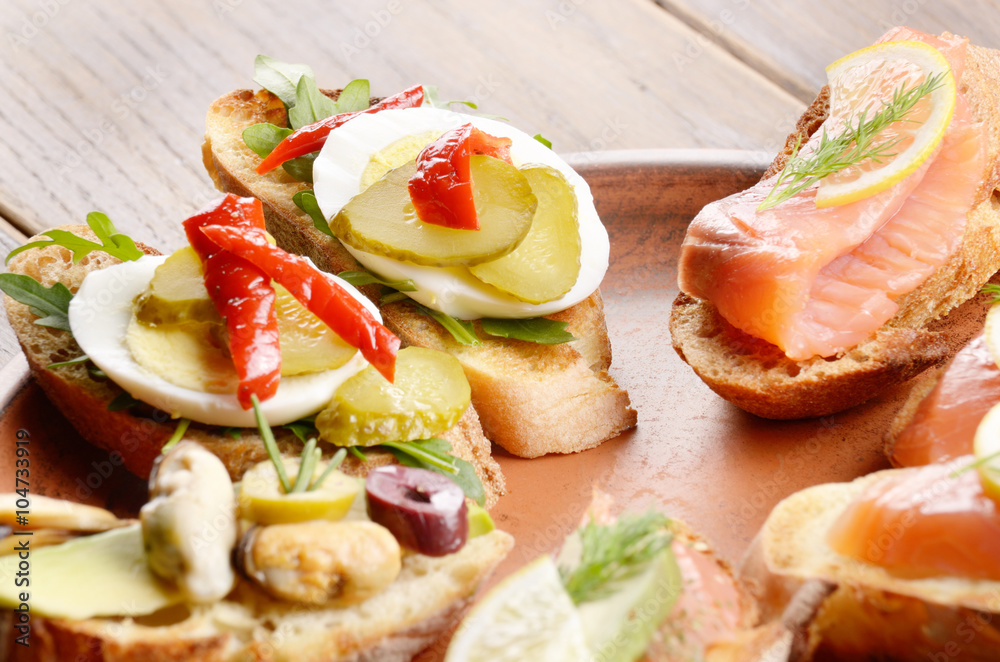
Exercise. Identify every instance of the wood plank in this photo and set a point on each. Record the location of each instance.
(792, 42)
(10, 238)
(105, 101)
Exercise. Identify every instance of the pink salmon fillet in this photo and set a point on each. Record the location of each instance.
(818, 281)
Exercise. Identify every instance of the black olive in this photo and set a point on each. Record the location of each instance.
(425, 511)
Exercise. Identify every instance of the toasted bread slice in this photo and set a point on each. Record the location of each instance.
(139, 434)
(532, 399)
(758, 377)
(429, 595)
(870, 614)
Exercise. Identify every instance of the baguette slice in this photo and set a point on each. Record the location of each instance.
(138, 436)
(870, 614)
(756, 376)
(429, 595)
(532, 399)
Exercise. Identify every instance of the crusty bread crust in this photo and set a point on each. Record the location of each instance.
(871, 614)
(429, 595)
(139, 435)
(757, 377)
(532, 399)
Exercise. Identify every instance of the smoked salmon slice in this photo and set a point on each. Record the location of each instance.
(818, 281)
(924, 522)
(945, 422)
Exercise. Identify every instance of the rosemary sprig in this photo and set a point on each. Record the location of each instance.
(854, 145)
(614, 552)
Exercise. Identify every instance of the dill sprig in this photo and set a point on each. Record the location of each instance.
(854, 145)
(614, 552)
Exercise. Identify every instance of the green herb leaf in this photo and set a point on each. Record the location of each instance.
(301, 169)
(311, 105)
(854, 145)
(542, 139)
(537, 329)
(270, 445)
(461, 330)
(306, 201)
(77, 361)
(992, 288)
(178, 434)
(335, 462)
(264, 137)
(280, 78)
(122, 402)
(307, 466)
(435, 455)
(359, 278)
(358, 453)
(614, 552)
(50, 304)
(232, 432)
(392, 297)
(302, 428)
(432, 98)
(112, 243)
(355, 96)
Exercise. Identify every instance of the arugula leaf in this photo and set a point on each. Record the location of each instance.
(264, 137)
(50, 304)
(359, 278)
(435, 455)
(123, 401)
(542, 139)
(310, 106)
(461, 330)
(302, 428)
(280, 78)
(233, 432)
(306, 201)
(392, 297)
(301, 169)
(537, 330)
(614, 552)
(433, 99)
(112, 243)
(355, 96)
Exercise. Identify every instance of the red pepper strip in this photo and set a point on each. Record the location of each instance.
(243, 296)
(309, 138)
(347, 316)
(442, 190)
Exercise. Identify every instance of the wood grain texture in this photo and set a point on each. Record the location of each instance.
(791, 42)
(105, 101)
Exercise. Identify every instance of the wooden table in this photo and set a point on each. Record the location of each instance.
(104, 102)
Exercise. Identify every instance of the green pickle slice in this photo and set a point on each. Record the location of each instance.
(546, 264)
(428, 396)
(382, 220)
(177, 293)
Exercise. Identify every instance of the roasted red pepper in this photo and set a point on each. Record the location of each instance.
(442, 189)
(348, 318)
(309, 138)
(243, 295)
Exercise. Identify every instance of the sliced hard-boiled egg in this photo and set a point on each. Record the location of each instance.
(100, 315)
(375, 142)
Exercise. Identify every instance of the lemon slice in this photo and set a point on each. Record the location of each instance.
(986, 444)
(528, 617)
(865, 81)
(992, 331)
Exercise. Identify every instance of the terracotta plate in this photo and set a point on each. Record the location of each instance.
(692, 454)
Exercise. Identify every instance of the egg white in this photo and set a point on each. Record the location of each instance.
(99, 315)
(337, 174)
